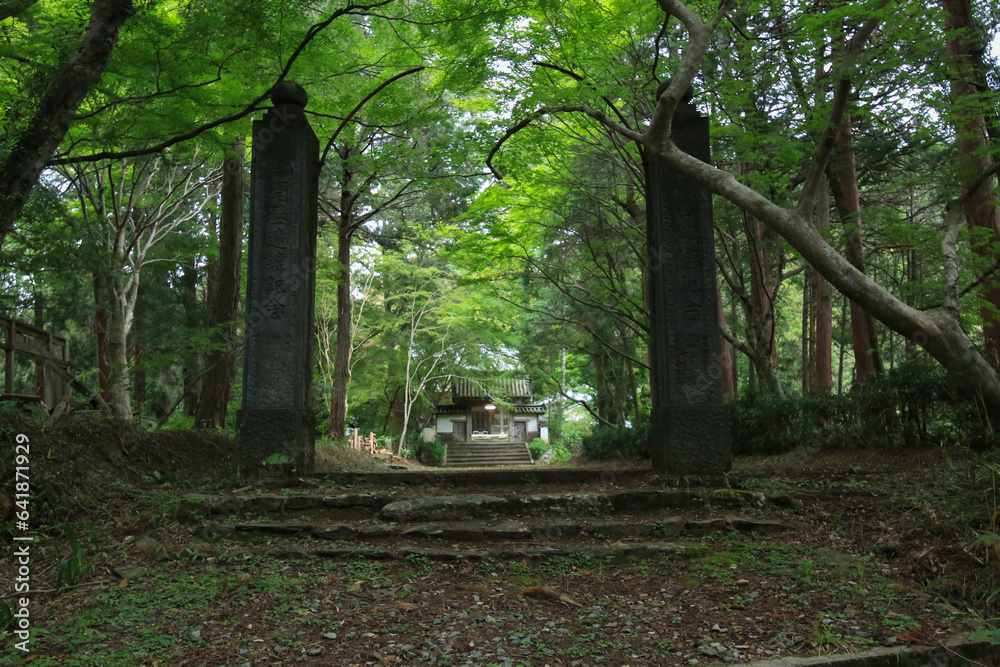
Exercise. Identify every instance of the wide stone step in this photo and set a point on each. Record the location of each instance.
(486, 464)
(474, 506)
(486, 461)
(476, 531)
(612, 552)
(502, 453)
(489, 455)
(490, 450)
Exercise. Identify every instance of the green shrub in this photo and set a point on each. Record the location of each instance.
(538, 447)
(910, 405)
(429, 452)
(561, 452)
(610, 442)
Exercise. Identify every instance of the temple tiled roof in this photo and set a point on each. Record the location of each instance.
(527, 409)
(516, 388)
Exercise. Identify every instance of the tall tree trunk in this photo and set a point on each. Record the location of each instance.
(821, 368)
(725, 359)
(342, 351)
(762, 353)
(118, 326)
(840, 345)
(38, 306)
(847, 198)
(69, 85)
(600, 362)
(139, 388)
(189, 297)
(102, 301)
(733, 353)
(807, 330)
(225, 296)
(978, 191)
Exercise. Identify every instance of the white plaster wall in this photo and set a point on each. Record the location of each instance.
(444, 422)
(544, 433)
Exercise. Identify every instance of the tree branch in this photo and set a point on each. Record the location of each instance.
(14, 7)
(599, 116)
(246, 111)
(357, 108)
(841, 95)
(578, 77)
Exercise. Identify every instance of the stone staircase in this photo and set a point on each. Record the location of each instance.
(636, 523)
(527, 566)
(481, 454)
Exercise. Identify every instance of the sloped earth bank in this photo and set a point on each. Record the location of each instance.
(874, 552)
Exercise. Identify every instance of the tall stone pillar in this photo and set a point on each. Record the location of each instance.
(690, 431)
(275, 421)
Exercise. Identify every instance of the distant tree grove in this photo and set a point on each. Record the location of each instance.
(482, 198)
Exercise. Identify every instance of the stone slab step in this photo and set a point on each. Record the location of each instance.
(611, 552)
(523, 456)
(516, 456)
(485, 463)
(473, 531)
(443, 477)
(481, 450)
(521, 451)
(475, 506)
(513, 447)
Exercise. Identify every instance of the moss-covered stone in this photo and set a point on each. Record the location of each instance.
(736, 498)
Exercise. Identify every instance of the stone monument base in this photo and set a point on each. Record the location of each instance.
(690, 440)
(287, 433)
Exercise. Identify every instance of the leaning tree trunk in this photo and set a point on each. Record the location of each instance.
(940, 332)
(846, 197)
(70, 84)
(978, 189)
(221, 363)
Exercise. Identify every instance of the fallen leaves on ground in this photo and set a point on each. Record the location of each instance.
(547, 592)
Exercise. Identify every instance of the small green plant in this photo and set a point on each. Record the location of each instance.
(899, 623)
(420, 560)
(519, 569)
(6, 618)
(993, 634)
(823, 635)
(277, 459)
(804, 570)
(72, 568)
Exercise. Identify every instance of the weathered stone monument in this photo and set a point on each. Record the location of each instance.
(690, 432)
(275, 423)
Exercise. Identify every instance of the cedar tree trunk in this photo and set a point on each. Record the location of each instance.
(844, 181)
(221, 363)
(974, 162)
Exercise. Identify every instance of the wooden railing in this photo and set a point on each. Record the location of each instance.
(364, 443)
(50, 353)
